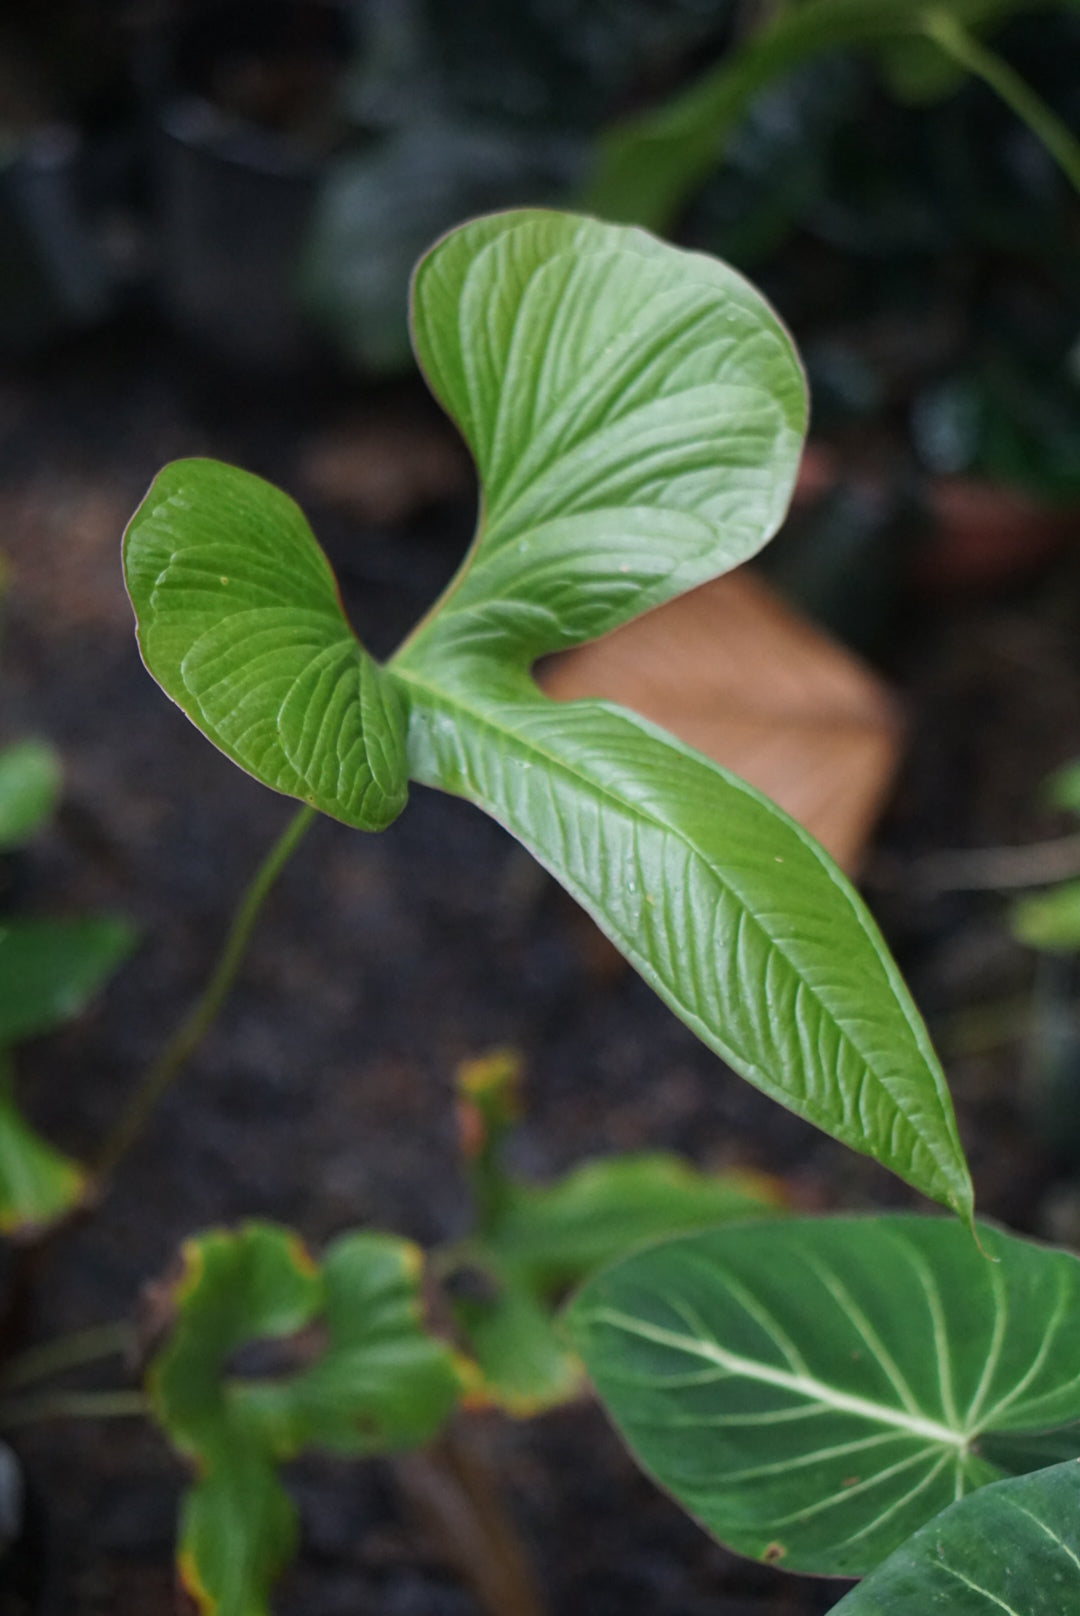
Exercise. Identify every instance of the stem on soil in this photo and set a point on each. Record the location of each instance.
(68, 1352)
(201, 1017)
(951, 37)
(74, 1406)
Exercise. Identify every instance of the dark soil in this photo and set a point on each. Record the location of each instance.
(323, 1098)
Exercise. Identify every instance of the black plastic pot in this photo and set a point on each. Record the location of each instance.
(244, 95)
(52, 279)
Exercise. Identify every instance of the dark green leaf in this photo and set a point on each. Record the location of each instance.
(30, 780)
(51, 969)
(241, 623)
(815, 1390)
(1011, 1550)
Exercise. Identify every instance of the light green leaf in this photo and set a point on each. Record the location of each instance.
(1049, 921)
(37, 1183)
(636, 414)
(371, 1381)
(1011, 1550)
(241, 623)
(51, 969)
(653, 447)
(30, 780)
(813, 1391)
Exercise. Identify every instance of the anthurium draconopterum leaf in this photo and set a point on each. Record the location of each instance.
(30, 777)
(368, 1381)
(51, 969)
(1013, 1549)
(240, 622)
(636, 414)
(37, 1183)
(814, 1390)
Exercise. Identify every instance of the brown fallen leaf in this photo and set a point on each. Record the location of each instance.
(736, 673)
(384, 470)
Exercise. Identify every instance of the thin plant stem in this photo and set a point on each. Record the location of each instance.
(74, 1406)
(971, 54)
(68, 1352)
(986, 869)
(197, 1023)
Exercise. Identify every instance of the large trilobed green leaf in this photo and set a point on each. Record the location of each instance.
(1011, 1550)
(636, 414)
(240, 622)
(813, 1391)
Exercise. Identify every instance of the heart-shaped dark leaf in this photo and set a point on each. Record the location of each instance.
(814, 1390)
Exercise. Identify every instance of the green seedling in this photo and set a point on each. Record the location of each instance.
(532, 1242)
(369, 1380)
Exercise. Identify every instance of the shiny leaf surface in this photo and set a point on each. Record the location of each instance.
(1011, 1550)
(814, 1390)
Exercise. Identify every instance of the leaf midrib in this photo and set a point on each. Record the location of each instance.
(857, 1138)
(806, 1386)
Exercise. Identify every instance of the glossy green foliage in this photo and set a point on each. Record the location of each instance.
(241, 623)
(51, 969)
(533, 1241)
(650, 165)
(1011, 1550)
(366, 1378)
(636, 415)
(30, 780)
(37, 1183)
(813, 1391)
